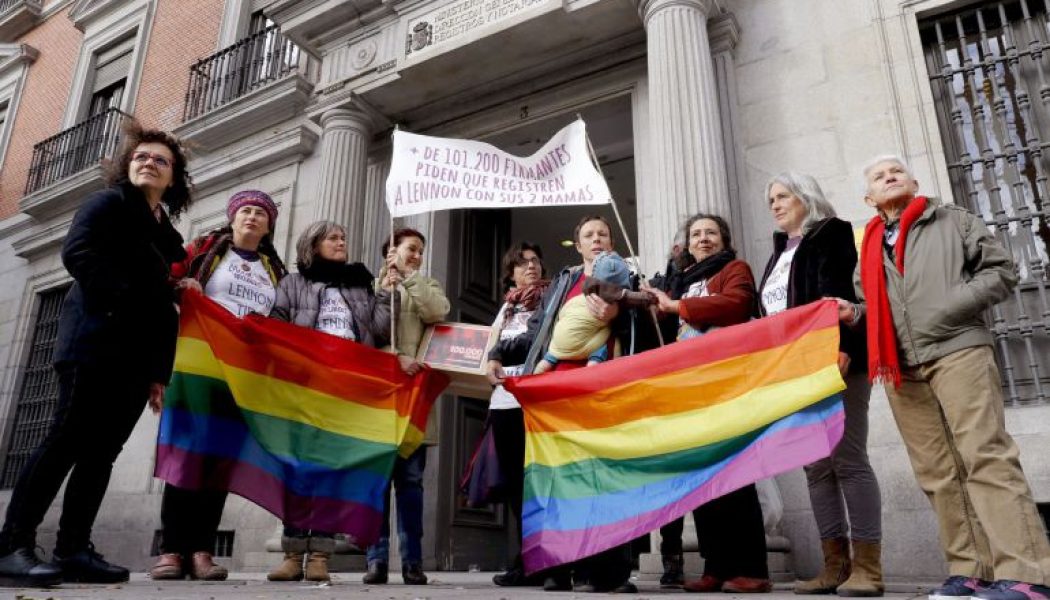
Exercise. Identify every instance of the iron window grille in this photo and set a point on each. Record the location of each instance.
(989, 66)
(39, 391)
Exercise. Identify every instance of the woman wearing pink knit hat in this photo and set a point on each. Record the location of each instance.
(241, 252)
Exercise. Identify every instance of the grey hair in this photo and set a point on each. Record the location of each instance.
(808, 191)
(871, 164)
(310, 239)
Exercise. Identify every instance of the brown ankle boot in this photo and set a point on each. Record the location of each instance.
(205, 569)
(317, 566)
(290, 569)
(169, 566)
(866, 579)
(836, 569)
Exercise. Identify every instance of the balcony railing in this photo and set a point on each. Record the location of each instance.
(232, 72)
(75, 149)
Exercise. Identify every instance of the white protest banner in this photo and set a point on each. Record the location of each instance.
(431, 173)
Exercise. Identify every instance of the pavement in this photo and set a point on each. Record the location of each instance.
(450, 585)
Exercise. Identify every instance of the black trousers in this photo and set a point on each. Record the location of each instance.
(189, 519)
(97, 410)
(508, 431)
(730, 533)
(606, 570)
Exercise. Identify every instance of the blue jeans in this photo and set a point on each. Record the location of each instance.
(408, 487)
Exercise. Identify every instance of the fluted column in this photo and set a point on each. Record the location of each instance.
(686, 155)
(344, 166)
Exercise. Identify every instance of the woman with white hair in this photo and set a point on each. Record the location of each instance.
(814, 257)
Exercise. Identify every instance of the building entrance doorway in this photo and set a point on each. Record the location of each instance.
(482, 537)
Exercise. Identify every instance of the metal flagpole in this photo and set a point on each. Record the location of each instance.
(612, 201)
(619, 220)
(393, 289)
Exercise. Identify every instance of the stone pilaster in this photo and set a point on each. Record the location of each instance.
(344, 164)
(686, 154)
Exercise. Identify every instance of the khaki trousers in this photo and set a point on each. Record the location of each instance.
(950, 414)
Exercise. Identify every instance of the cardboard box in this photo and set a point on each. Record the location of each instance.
(460, 350)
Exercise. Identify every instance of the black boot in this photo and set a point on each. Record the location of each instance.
(377, 573)
(87, 566)
(413, 574)
(557, 583)
(673, 576)
(22, 568)
(516, 577)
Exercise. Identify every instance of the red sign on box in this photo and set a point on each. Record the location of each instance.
(461, 351)
(457, 345)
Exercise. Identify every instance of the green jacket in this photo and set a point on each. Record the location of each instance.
(954, 270)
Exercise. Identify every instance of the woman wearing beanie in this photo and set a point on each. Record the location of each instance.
(236, 266)
(329, 295)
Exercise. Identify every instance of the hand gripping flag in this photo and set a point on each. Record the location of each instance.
(304, 424)
(620, 449)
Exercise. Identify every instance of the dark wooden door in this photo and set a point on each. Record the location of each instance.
(466, 536)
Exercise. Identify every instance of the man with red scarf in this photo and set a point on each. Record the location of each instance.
(927, 273)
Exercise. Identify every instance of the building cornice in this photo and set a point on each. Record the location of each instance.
(314, 23)
(16, 55)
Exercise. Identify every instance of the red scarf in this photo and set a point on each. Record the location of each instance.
(528, 297)
(883, 364)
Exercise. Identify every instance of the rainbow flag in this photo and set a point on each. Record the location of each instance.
(620, 449)
(304, 424)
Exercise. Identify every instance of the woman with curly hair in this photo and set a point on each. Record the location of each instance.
(114, 354)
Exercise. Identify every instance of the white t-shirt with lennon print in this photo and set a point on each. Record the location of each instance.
(774, 293)
(241, 285)
(334, 316)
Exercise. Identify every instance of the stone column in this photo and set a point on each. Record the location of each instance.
(344, 166)
(686, 156)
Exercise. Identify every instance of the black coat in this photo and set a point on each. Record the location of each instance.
(120, 312)
(823, 266)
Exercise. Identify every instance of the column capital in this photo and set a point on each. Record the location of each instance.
(354, 113)
(648, 8)
(723, 33)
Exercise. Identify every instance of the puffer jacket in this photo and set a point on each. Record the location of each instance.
(954, 269)
(299, 302)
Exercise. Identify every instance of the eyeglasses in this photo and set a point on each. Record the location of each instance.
(522, 261)
(142, 157)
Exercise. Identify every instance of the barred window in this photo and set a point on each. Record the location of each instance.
(40, 388)
(989, 66)
(39, 392)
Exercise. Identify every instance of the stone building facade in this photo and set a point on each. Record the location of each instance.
(691, 105)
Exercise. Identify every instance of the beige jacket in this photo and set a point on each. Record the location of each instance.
(423, 302)
(954, 270)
